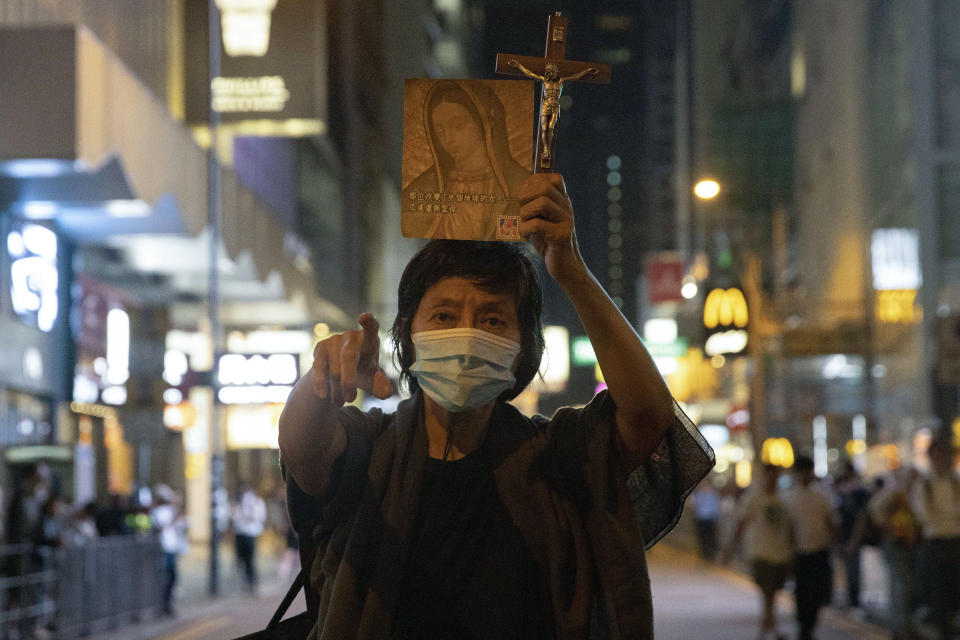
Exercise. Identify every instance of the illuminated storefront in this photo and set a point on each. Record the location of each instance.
(101, 326)
(76, 180)
(252, 381)
(35, 280)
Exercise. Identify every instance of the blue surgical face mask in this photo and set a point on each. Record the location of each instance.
(462, 369)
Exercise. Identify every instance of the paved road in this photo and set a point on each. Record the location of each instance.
(233, 613)
(691, 600)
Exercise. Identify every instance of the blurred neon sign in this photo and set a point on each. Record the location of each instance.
(897, 306)
(724, 308)
(33, 274)
(778, 452)
(256, 379)
(895, 259)
(725, 316)
(246, 26)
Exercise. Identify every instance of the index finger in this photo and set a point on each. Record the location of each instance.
(371, 334)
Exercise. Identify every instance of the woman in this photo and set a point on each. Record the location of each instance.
(457, 516)
(470, 189)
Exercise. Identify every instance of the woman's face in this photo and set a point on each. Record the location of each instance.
(458, 303)
(457, 132)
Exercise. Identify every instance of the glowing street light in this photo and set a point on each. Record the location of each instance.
(706, 189)
(689, 287)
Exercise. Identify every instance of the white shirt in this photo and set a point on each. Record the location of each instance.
(813, 519)
(937, 501)
(767, 529)
(249, 515)
(172, 527)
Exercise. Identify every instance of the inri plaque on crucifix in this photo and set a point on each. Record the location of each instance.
(553, 70)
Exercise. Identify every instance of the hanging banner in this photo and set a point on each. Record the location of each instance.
(665, 271)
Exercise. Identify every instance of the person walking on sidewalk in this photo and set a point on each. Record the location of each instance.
(706, 511)
(814, 529)
(249, 514)
(765, 523)
(937, 498)
(852, 498)
(171, 526)
(890, 510)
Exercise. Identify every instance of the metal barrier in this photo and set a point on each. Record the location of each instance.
(106, 584)
(27, 584)
(72, 592)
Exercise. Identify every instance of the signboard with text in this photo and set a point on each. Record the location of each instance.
(665, 273)
(725, 320)
(270, 60)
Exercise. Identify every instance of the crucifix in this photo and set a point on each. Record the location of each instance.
(552, 71)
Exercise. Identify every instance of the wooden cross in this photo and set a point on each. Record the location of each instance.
(552, 71)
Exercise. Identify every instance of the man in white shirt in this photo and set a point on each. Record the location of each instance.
(249, 515)
(814, 529)
(171, 527)
(937, 501)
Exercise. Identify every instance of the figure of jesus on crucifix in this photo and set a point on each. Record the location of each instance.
(553, 70)
(550, 99)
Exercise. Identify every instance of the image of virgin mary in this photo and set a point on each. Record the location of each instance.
(473, 179)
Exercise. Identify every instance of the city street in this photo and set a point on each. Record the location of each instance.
(691, 599)
(721, 293)
(232, 614)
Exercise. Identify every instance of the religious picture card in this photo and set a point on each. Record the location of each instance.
(467, 149)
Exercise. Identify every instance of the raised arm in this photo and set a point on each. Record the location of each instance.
(592, 71)
(311, 436)
(644, 404)
(524, 70)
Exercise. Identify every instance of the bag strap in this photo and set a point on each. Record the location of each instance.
(292, 592)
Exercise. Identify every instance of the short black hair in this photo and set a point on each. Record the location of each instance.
(497, 267)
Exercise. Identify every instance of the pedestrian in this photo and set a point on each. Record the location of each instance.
(458, 516)
(814, 529)
(26, 506)
(706, 514)
(249, 515)
(111, 519)
(937, 500)
(81, 527)
(47, 537)
(764, 522)
(48, 531)
(171, 526)
(891, 511)
(852, 498)
(138, 520)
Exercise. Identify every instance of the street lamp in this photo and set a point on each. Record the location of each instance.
(706, 189)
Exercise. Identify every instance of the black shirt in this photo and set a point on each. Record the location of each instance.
(469, 574)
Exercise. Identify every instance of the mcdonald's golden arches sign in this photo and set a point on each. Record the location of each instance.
(725, 317)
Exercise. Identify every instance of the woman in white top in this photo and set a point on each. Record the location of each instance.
(765, 523)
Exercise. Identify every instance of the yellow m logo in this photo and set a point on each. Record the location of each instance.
(778, 452)
(725, 308)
